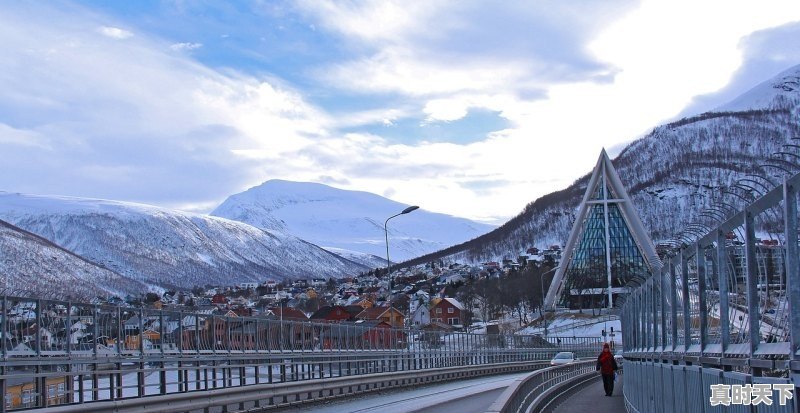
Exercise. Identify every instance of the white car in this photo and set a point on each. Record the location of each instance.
(564, 357)
(619, 358)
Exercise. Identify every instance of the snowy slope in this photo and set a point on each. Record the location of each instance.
(349, 220)
(37, 267)
(672, 174)
(774, 91)
(369, 260)
(166, 247)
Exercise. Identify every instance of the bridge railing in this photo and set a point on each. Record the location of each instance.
(528, 392)
(724, 310)
(63, 352)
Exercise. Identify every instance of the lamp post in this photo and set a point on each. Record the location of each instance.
(386, 232)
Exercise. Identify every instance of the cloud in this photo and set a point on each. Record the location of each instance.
(114, 32)
(181, 47)
(85, 115)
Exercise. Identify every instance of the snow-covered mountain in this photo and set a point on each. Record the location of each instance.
(169, 248)
(369, 260)
(34, 266)
(672, 173)
(350, 220)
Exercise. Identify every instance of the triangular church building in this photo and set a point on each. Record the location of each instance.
(607, 246)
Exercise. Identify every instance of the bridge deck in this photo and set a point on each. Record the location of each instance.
(593, 399)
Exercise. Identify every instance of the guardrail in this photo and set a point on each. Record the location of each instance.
(249, 398)
(532, 392)
(724, 311)
(651, 386)
(66, 353)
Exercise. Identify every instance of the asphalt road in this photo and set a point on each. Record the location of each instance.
(467, 396)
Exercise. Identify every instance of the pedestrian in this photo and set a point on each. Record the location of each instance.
(607, 366)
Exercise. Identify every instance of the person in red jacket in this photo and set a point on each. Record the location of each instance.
(607, 366)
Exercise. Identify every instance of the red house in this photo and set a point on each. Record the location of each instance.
(448, 311)
(219, 299)
(331, 314)
(288, 313)
(362, 335)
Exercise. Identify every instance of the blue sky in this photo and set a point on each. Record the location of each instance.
(463, 107)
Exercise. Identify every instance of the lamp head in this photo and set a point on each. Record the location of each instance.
(409, 209)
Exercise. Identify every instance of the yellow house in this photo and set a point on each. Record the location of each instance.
(21, 393)
(389, 315)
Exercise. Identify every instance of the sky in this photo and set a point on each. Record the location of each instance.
(462, 107)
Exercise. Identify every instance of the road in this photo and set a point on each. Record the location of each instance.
(465, 396)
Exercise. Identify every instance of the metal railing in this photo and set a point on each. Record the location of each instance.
(72, 353)
(724, 310)
(531, 391)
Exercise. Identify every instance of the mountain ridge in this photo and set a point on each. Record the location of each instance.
(343, 219)
(170, 249)
(671, 173)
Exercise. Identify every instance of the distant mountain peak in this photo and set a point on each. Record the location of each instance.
(781, 88)
(346, 219)
(168, 248)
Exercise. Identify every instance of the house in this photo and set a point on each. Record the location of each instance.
(332, 314)
(287, 314)
(421, 316)
(219, 299)
(389, 315)
(29, 335)
(448, 311)
(21, 391)
(361, 335)
(318, 282)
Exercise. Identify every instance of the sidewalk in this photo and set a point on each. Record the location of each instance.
(593, 399)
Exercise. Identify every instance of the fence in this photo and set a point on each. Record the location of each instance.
(61, 352)
(724, 310)
(530, 393)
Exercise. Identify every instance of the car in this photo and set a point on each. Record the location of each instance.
(564, 357)
(619, 358)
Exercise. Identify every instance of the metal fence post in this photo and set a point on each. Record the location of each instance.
(646, 312)
(792, 272)
(700, 259)
(653, 314)
(673, 284)
(686, 301)
(722, 281)
(752, 281)
(663, 295)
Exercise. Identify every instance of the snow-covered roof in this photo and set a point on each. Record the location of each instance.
(455, 303)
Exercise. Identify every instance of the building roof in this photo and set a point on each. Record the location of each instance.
(324, 312)
(451, 301)
(606, 203)
(289, 313)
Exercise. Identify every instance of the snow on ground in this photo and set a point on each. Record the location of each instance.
(585, 325)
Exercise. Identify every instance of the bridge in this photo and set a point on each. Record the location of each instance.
(716, 328)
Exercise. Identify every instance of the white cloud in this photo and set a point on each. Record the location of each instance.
(181, 47)
(114, 32)
(169, 130)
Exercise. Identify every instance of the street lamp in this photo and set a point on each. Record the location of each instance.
(386, 232)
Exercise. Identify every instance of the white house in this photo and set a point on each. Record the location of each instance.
(421, 316)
